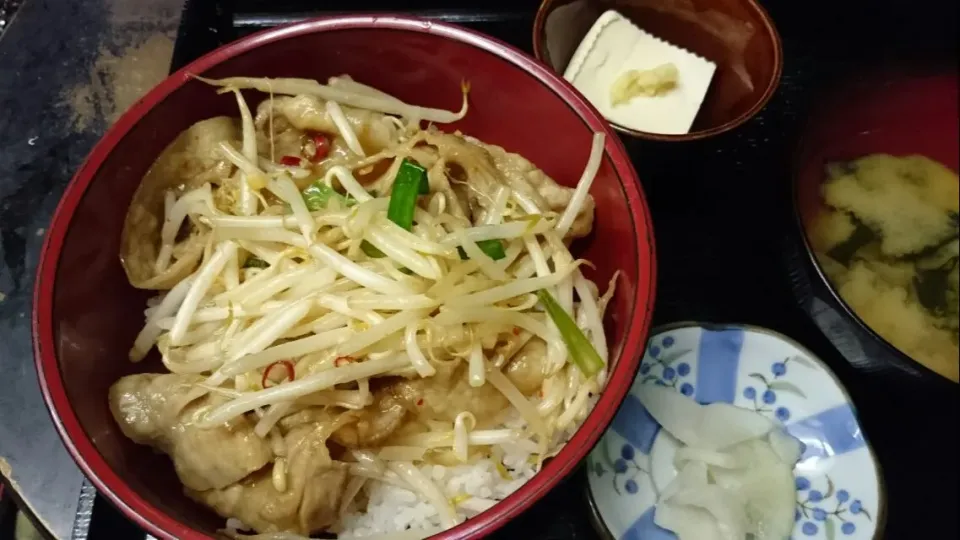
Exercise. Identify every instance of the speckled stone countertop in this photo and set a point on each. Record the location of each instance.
(66, 70)
(7, 9)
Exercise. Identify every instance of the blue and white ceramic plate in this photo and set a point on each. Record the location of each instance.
(839, 487)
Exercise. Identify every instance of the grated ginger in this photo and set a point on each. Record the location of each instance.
(644, 82)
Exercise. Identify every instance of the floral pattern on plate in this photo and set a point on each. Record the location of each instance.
(837, 480)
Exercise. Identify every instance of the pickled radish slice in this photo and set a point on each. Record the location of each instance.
(727, 508)
(693, 474)
(766, 487)
(687, 522)
(708, 427)
(788, 448)
(735, 478)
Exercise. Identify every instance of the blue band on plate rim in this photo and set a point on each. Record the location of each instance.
(717, 379)
(726, 341)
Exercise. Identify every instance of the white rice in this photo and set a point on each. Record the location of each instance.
(475, 487)
(397, 513)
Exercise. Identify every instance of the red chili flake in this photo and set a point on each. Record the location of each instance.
(291, 372)
(322, 146)
(420, 402)
(291, 161)
(516, 331)
(341, 360)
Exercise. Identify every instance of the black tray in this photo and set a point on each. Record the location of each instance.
(723, 221)
(7, 511)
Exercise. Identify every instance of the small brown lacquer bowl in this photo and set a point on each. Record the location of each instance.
(737, 35)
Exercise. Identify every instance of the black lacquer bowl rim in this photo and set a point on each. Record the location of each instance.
(891, 358)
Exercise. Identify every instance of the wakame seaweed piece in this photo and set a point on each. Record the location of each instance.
(930, 251)
(938, 255)
(931, 286)
(844, 251)
(933, 250)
